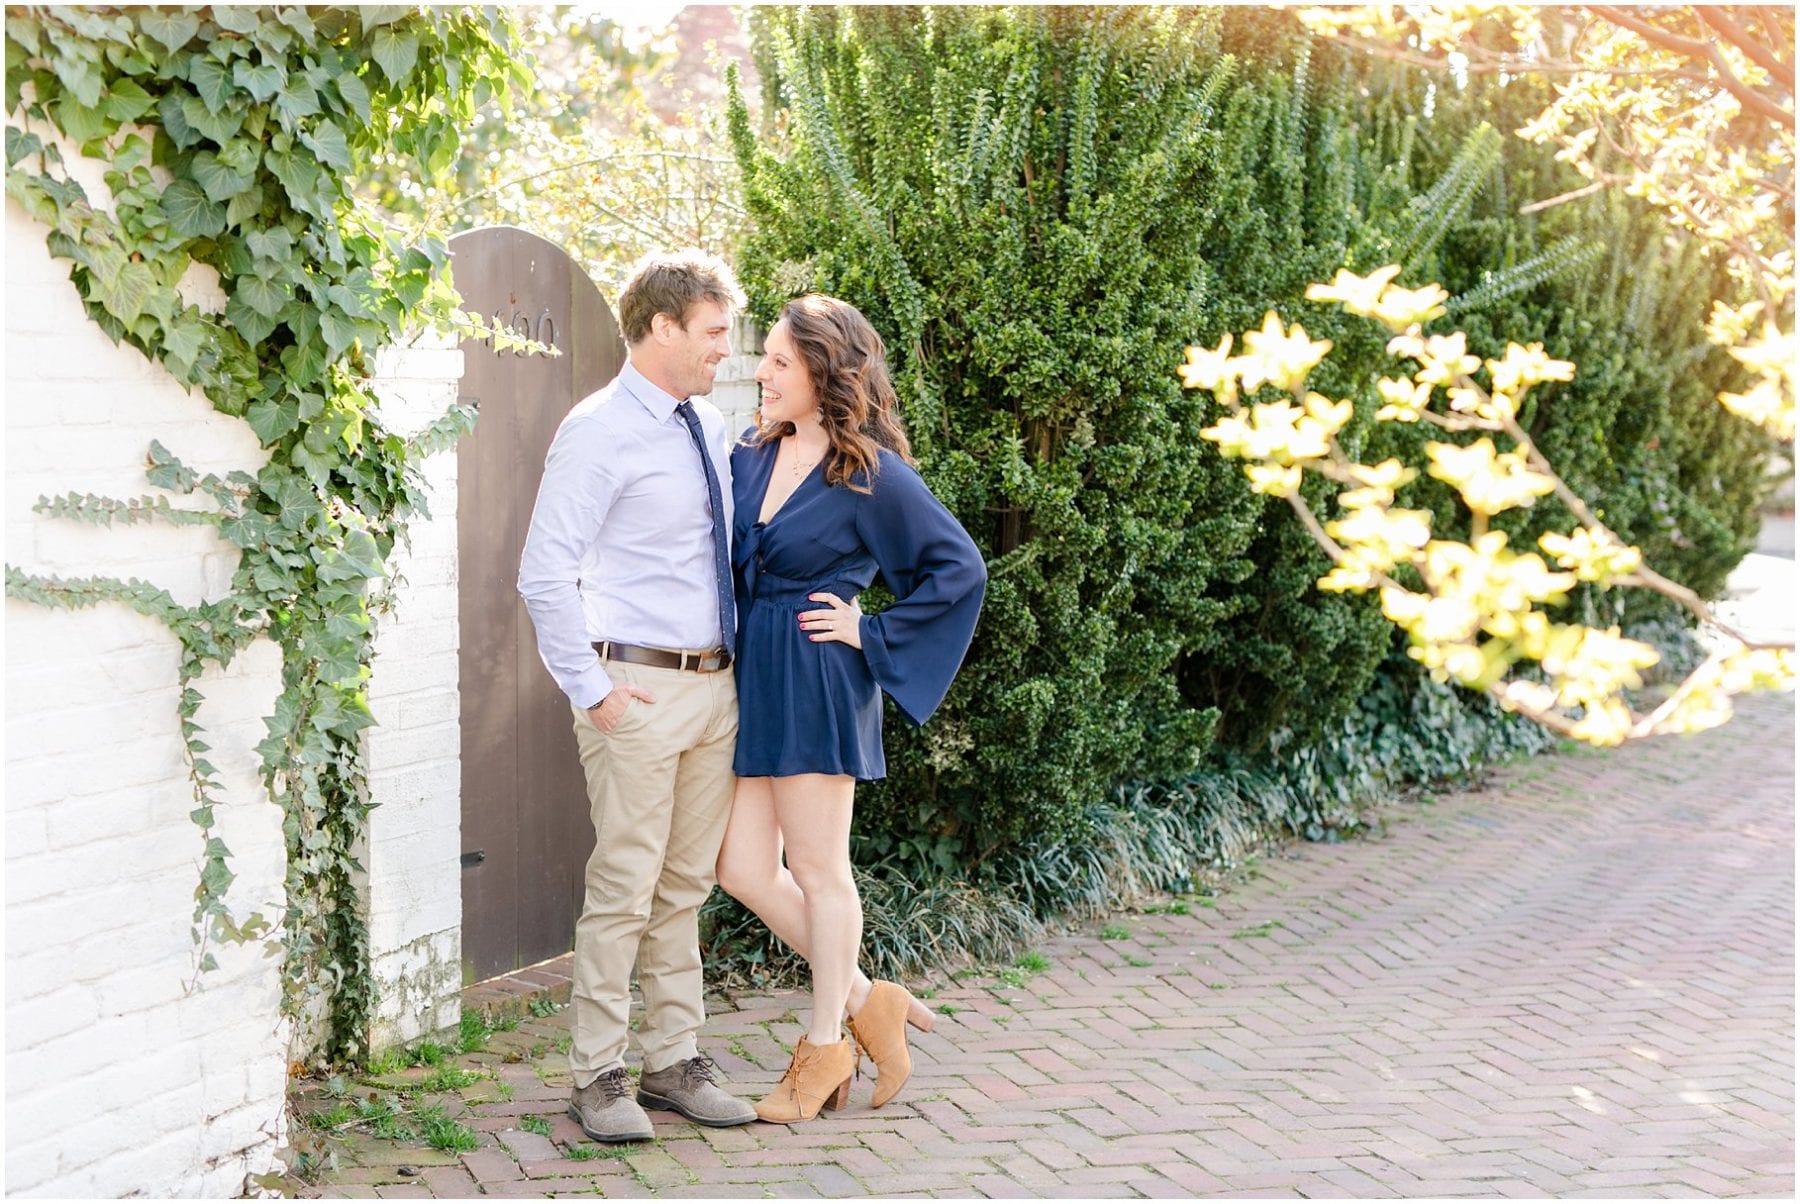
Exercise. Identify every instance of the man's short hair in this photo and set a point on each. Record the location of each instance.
(672, 282)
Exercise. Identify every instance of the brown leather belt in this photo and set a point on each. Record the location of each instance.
(710, 661)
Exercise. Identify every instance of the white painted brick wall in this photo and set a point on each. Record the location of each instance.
(734, 388)
(415, 765)
(119, 1079)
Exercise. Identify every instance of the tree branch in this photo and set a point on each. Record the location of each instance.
(1740, 37)
(1704, 52)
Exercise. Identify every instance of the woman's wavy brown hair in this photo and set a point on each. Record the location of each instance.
(847, 363)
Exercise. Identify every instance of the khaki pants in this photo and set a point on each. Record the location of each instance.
(659, 791)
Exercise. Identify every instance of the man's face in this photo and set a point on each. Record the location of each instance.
(693, 350)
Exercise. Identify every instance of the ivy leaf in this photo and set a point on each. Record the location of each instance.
(328, 142)
(182, 344)
(172, 29)
(374, 16)
(20, 144)
(211, 81)
(244, 206)
(339, 331)
(126, 100)
(395, 52)
(298, 100)
(220, 127)
(190, 212)
(271, 420)
(274, 244)
(261, 81)
(253, 326)
(118, 283)
(304, 363)
(295, 500)
(238, 20)
(220, 182)
(173, 113)
(79, 122)
(79, 76)
(355, 94)
(261, 294)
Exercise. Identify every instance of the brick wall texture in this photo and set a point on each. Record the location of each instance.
(121, 1077)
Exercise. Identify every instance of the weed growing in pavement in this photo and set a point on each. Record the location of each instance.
(1132, 959)
(948, 1009)
(1255, 930)
(739, 1049)
(1115, 932)
(587, 1153)
(449, 1078)
(563, 1042)
(473, 1032)
(508, 1022)
(536, 1124)
(338, 1114)
(442, 1133)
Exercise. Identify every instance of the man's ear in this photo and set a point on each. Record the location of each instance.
(663, 327)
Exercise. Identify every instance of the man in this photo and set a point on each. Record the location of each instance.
(626, 573)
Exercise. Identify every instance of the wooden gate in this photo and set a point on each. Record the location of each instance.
(525, 829)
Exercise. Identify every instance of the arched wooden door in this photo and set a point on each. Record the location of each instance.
(525, 829)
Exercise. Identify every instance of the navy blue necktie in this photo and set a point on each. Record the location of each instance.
(721, 557)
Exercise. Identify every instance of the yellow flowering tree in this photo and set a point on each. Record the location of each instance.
(1690, 107)
(1473, 611)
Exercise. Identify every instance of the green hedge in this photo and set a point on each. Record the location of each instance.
(1040, 208)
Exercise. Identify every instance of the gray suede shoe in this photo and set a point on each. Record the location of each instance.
(689, 1088)
(606, 1112)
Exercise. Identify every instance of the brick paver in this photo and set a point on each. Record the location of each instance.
(1575, 982)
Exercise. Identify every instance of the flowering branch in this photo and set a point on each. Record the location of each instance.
(1483, 607)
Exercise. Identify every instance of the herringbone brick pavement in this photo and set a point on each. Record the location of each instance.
(1577, 981)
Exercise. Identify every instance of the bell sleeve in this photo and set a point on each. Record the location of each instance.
(937, 575)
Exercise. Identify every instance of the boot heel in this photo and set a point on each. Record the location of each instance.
(840, 1097)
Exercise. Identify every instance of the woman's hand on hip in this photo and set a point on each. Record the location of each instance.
(843, 622)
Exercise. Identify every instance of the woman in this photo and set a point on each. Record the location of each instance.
(826, 496)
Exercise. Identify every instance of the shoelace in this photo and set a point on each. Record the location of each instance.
(700, 1067)
(615, 1084)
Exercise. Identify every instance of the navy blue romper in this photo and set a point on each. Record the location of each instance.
(806, 707)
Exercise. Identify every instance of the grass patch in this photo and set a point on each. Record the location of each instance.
(536, 1124)
(1029, 963)
(339, 1113)
(588, 1153)
(442, 1133)
(449, 1078)
(1115, 932)
(948, 1009)
(1256, 930)
(1132, 959)
(473, 1032)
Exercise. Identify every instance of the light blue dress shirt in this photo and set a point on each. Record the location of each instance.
(620, 546)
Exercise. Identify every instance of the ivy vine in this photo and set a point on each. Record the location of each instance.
(230, 135)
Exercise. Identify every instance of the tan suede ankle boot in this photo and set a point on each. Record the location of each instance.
(818, 1077)
(880, 1031)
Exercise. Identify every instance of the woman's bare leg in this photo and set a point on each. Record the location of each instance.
(750, 871)
(813, 812)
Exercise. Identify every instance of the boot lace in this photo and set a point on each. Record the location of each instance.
(614, 1084)
(700, 1068)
